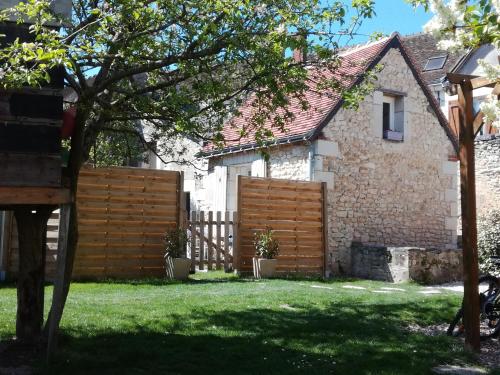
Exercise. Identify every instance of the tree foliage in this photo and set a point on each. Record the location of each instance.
(466, 25)
(183, 66)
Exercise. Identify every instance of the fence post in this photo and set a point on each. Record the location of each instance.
(210, 247)
(226, 241)
(5, 243)
(201, 265)
(324, 219)
(194, 217)
(218, 240)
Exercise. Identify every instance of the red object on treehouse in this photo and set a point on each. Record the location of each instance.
(68, 126)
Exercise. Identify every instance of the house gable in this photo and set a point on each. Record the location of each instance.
(307, 127)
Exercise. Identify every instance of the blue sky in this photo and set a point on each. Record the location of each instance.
(395, 15)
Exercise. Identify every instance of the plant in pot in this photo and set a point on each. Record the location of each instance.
(177, 265)
(266, 250)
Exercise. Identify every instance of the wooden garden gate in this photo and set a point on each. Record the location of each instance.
(295, 211)
(211, 239)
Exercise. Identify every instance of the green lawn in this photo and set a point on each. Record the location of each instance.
(227, 325)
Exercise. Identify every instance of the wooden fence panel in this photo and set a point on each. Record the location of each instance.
(294, 210)
(123, 214)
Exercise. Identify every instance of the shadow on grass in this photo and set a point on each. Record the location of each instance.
(347, 338)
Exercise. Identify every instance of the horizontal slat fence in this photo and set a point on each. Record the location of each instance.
(212, 236)
(294, 210)
(123, 214)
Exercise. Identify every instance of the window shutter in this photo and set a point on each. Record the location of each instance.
(376, 120)
(259, 168)
(399, 114)
(220, 187)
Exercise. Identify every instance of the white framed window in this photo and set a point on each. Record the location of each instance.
(393, 117)
(388, 113)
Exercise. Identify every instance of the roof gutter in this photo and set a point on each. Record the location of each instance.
(255, 146)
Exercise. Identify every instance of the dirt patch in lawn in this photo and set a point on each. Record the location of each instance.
(490, 349)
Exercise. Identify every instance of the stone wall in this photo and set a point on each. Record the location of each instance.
(487, 153)
(397, 264)
(390, 193)
(487, 157)
(289, 162)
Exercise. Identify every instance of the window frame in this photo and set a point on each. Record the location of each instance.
(426, 69)
(392, 103)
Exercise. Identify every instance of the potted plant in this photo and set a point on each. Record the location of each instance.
(177, 265)
(266, 250)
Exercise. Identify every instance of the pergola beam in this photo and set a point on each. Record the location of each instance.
(469, 223)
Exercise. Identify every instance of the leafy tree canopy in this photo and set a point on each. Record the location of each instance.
(182, 66)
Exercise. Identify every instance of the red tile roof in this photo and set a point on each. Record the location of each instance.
(305, 123)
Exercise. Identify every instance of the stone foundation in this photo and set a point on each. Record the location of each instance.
(398, 264)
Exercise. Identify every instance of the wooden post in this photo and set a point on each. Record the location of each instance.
(58, 292)
(210, 247)
(324, 219)
(469, 225)
(218, 240)
(5, 241)
(193, 227)
(226, 241)
(236, 240)
(201, 265)
(236, 228)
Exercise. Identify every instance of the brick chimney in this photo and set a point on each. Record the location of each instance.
(300, 54)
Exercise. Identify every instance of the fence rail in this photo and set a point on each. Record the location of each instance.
(212, 239)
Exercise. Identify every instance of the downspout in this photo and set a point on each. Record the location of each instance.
(311, 161)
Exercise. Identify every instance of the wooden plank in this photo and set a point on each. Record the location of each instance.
(201, 265)
(167, 201)
(218, 241)
(210, 247)
(286, 196)
(226, 241)
(469, 225)
(109, 172)
(270, 204)
(248, 179)
(236, 226)
(30, 170)
(324, 191)
(282, 185)
(115, 206)
(34, 195)
(194, 215)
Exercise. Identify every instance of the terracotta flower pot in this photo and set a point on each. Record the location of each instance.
(177, 268)
(264, 268)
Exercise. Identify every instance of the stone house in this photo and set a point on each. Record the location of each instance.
(386, 165)
(487, 145)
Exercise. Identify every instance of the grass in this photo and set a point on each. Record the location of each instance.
(225, 325)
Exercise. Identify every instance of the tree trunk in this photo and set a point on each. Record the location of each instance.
(73, 171)
(32, 233)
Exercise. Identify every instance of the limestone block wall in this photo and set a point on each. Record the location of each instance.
(487, 154)
(397, 264)
(390, 193)
(487, 157)
(289, 162)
